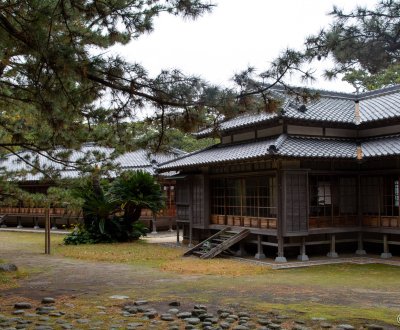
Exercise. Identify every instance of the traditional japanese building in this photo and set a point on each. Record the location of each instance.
(21, 168)
(317, 174)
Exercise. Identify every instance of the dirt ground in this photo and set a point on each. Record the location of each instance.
(57, 276)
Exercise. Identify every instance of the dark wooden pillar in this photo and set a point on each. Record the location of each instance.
(332, 253)
(260, 253)
(385, 254)
(178, 243)
(36, 222)
(47, 231)
(281, 248)
(19, 226)
(303, 256)
(360, 245)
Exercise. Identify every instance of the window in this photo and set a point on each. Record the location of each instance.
(332, 195)
(320, 196)
(249, 196)
(391, 196)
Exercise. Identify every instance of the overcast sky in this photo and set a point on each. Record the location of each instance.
(237, 34)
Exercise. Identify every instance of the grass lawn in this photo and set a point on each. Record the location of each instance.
(336, 292)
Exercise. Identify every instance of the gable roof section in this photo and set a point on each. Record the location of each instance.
(329, 107)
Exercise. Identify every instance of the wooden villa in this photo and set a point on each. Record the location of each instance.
(317, 174)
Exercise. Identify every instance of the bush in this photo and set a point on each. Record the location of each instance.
(83, 235)
(111, 210)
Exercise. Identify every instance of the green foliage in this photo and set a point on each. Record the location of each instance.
(59, 84)
(364, 43)
(386, 77)
(136, 190)
(61, 197)
(111, 210)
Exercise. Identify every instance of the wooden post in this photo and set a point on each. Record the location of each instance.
(19, 226)
(47, 231)
(303, 256)
(260, 253)
(281, 256)
(177, 234)
(360, 249)
(190, 215)
(36, 223)
(385, 254)
(154, 223)
(170, 225)
(332, 253)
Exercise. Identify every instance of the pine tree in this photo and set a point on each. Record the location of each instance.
(58, 86)
(364, 43)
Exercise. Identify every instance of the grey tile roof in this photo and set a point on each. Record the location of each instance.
(283, 145)
(329, 107)
(383, 146)
(135, 160)
(325, 109)
(380, 107)
(311, 147)
(221, 153)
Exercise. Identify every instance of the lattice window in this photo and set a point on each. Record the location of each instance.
(249, 196)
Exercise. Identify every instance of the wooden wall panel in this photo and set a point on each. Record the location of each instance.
(295, 202)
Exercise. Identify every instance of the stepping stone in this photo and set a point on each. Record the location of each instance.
(118, 297)
(151, 314)
(240, 327)
(263, 322)
(345, 326)
(325, 325)
(184, 315)
(141, 302)
(374, 327)
(48, 300)
(18, 312)
(193, 320)
(173, 311)
(135, 325)
(167, 317)
(82, 321)
(22, 305)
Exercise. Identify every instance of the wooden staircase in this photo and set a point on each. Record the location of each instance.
(218, 243)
